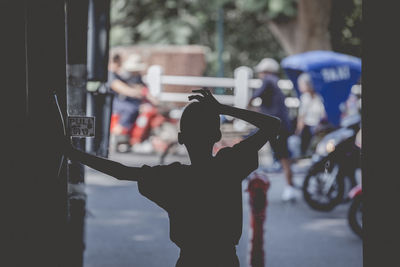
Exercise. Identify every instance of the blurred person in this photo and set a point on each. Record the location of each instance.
(273, 103)
(132, 74)
(126, 82)
(352, 106)
(311, 111)
(114, 67)
(204, 199)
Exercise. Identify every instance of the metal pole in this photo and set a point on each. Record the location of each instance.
(99, 96)
(76, 39)
(220, 46)
(98, 40)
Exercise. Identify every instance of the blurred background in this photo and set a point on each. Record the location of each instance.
(130, 65)
(178, 39)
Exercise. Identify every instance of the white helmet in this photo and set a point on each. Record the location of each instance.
(134, 63)
(267, 64)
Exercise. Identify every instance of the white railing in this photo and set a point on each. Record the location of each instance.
(242, 83)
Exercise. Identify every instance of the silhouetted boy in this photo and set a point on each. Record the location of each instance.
(204, 199)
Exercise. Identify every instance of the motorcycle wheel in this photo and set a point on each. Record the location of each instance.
(121, 144)
(315, 195)
(349, 182)
(355, 216)
(123, 148)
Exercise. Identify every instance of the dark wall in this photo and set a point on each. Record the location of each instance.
(36, 197)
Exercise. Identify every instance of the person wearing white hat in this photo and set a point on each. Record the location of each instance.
(273, 103)
(134, 64)
(133, 68)
(267, 65)
(115, 80)
(126, 83)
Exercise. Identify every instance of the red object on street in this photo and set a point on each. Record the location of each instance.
(114, 122)
(148, 119)
(257, 188)
(141, 128)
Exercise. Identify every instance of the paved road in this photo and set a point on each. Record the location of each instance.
(124, 229)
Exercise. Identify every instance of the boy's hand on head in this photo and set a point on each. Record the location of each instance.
(207, 98)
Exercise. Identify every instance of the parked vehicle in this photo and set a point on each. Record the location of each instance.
(334, 165)
(154, 124)
(333, 75)
(321, 131)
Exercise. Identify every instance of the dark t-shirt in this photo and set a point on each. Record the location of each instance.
(131, 80)
(273, 100)
(112, 76)
(204, 203)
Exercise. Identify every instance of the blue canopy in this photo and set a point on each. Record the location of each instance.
(333, 74)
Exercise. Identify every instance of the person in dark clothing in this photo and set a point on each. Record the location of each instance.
(204, 199)
(273, 103)
(130, 92)
(127, 85)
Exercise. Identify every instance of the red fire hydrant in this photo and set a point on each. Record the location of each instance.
(257, 188)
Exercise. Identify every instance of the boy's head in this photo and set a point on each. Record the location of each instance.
(199, 125)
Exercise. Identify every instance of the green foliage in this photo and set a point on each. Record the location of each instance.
(281, 8)
(150, 22)
(274, 9)
(247, 38)
(181, 22)
(252, 5)
(345, 26)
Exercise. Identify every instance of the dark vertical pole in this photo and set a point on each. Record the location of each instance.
(99, 97)
(220, 45)
(76, 36)
(98, 40)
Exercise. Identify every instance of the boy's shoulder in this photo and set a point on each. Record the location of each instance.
(161, 174)
(224, 151)
(160, 169)
(228, 152)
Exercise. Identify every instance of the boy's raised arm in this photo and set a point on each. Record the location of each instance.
(268, 125)
(112, 168)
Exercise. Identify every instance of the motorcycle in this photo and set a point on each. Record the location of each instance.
(158, 125)
(334, 165)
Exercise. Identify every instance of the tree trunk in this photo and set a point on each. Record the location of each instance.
(308, 30)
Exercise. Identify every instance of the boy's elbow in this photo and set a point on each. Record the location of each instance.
(277, 123)
(274, 124)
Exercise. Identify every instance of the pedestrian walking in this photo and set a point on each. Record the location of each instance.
(273, 103)
(311, 111)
